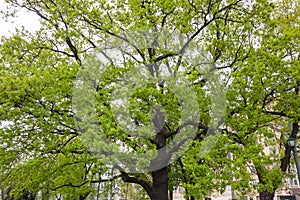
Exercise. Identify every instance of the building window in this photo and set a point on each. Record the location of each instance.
(254, 181)
(272, 151)
(293, 182)
(252, 169)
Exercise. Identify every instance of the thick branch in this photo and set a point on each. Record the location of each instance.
(130, 179)
(195, 124)
(281, 113)
(287, 153)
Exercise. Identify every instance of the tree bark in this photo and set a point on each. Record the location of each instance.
(265, 195)
(158, 188)
(171, 195)
(160, 184)
(287, 154)
(160, 177)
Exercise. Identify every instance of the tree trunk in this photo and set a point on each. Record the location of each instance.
(287, 153)
(264, 195)
(160, 177)
(157, 189)
(171, 195)
(160, 184)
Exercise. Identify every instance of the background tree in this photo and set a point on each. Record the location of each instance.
(266, 93)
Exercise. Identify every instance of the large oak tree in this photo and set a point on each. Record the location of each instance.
(42, 147)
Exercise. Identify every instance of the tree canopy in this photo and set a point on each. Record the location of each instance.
(168, 92)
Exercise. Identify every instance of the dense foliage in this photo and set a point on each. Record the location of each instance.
(250, 70)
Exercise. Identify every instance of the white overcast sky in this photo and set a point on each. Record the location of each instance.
(7, 28)
(29, 20)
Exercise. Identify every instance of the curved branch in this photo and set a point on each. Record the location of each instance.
(189, 123)
(131, 179)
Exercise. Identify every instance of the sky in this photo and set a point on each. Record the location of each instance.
(29, 20)
(7, 28)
